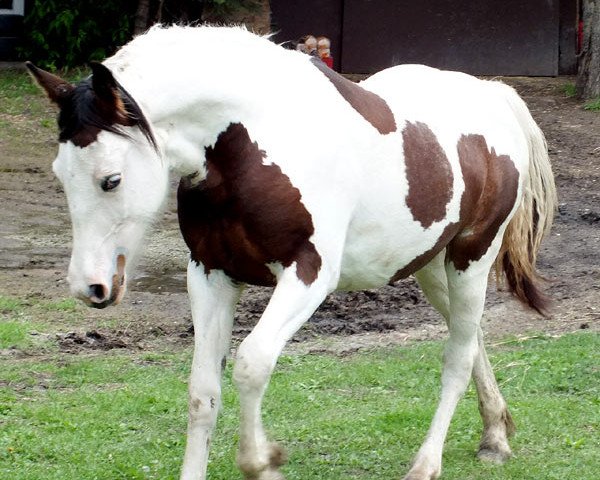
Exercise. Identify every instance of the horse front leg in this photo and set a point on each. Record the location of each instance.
(213, 298)
(291, 305)
(466, 298)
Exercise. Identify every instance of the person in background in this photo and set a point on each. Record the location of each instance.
(310, 44)
(317, 47)
(324, 50)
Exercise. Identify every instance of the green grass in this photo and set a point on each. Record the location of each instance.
(19, 95)
(593, 105)
(356, 417)
(13, 331)
(12, 334)
(65, 305)
(570, 90)
(30, 324)
(24, 113)
(10, 305)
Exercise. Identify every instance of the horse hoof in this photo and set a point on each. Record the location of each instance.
(416, 476)
(420, 474)
(271, 474)
(497, 456)
(267, 474)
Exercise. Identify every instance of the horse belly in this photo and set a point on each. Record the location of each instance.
(388, 246)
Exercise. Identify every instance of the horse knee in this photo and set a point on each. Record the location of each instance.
(253, 366)
(203, 406)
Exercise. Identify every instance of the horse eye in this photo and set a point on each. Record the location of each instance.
(111, 182)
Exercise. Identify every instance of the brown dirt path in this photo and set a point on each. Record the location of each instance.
(35, 246)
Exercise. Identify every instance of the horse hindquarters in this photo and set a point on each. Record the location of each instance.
(518, 241)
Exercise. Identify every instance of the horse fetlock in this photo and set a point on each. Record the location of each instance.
(277, 455)
(424, 468)
(494, 446)
(265, 466)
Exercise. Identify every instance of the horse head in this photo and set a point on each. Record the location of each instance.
(113, 175)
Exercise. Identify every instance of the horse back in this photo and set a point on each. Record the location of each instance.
(376, 198)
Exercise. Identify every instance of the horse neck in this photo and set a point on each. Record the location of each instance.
(189, 105)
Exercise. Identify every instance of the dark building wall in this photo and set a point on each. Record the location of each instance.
(486, 37)
(292, 20)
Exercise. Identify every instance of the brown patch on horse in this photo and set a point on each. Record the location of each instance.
(420, 261)
(246, 215)
(371, 106)
(429, 174)
(491, 187)
(430, 188)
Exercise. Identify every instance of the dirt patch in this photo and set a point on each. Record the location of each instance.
(72, 342)
(35, 241)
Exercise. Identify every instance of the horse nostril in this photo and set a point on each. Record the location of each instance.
(98, 293)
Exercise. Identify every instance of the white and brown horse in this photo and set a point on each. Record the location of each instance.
(424, 172)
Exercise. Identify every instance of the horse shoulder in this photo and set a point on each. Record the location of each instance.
(246, 216)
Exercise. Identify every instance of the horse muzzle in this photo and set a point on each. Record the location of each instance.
(100, 295)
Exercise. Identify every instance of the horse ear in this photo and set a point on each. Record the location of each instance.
(55, 87)
(103, 83)
(107, 90)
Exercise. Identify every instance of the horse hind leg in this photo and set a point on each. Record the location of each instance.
(498, 424)
(465, 302)
(497, 420)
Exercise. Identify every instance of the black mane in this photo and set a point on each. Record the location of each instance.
(83, 115)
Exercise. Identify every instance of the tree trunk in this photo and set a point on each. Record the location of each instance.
(142, 16)
(588, 74)
(159, 12)
(255, 14)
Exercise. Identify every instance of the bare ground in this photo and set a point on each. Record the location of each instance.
(35, 247)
